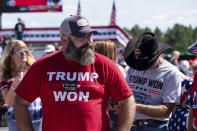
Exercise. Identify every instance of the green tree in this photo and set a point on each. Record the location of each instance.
(159, 34)
(134, 31)
(179, 37)
(194, 36)
(147, 29)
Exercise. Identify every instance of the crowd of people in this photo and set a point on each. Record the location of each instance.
(186, 66)
(93, 86)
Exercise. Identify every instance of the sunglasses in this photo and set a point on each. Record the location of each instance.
(21, 52)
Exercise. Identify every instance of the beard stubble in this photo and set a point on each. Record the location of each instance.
(84, 54)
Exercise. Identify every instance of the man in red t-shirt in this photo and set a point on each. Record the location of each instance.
(74, 85)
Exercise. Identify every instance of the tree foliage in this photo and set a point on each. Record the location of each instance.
(179, 36)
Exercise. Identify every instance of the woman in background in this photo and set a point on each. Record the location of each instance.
(175, 57)
(108, 48)
(15, 62)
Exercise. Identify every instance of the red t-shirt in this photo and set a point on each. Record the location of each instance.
(74, 97)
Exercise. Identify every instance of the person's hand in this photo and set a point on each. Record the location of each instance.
(116, 107)
(19, 77)
(17, 80)
(23, 68)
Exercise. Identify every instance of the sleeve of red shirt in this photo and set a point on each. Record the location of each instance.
(29, 88)
(194, 98)
(116, 84)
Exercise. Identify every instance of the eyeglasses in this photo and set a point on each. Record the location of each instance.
(21, 52)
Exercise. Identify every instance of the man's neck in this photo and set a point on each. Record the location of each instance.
(157, 63)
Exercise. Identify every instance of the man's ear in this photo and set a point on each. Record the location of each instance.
(162, 55)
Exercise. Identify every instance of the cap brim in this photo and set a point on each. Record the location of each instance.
(138, 64)
(84, 31)
(163, 47)
(48, 50)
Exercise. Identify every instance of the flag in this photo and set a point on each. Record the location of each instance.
(193, 48)
(79, 8)
(113, 15)
(29, 2)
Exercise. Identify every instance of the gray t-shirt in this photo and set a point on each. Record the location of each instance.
(155, 87)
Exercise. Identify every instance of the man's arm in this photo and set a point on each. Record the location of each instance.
(190, 121)
(22, 115)
(156, 111)
(126, 114)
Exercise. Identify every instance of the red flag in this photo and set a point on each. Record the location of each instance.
(113, 15)
(79, 8)
(30, 2)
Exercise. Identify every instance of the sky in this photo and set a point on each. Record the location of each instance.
(145, 13)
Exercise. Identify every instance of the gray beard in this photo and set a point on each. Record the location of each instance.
(84, 55)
